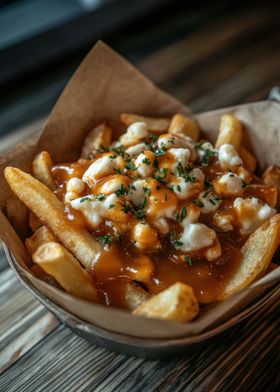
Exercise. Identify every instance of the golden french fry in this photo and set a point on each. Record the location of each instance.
(100, 136)
(271, 177)
(183, 125)
(249, 161)
(135, 295)
(257, 253)
(177, 303)
(40, 237)
(153, 123)
(56, 261)
(39, 199)
(230, 131)
(42, 169)
(34, 222)
(41, 274)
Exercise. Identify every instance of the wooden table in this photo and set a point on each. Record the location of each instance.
(221, 62)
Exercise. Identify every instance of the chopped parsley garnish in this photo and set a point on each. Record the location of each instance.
(158, 187)
(146, 160)
(206, 193)
(121, 191)
(185, 173)
(119, 171)
(126, 208)
(174, 240)
(112, 206)
(207, 153)
(178, 188)
(83, 199)
(156, 164)
(113, 156)
(183, 214)
(188, 259)
(120, 150)
(104, 240)
(161, 176)
(160, 151)
(147, 191)
(100, 197)
(130, 165)
(198, 202)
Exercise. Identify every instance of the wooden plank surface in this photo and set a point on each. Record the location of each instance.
(231, 57)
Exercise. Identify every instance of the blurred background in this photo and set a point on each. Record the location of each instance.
(207, 53)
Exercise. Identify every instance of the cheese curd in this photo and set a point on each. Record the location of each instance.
(229, 184)
(145, 237)
(136, 193)
(112, 184)
(134, 134)
(144, 164)
(224, 221)
(103, 166)
(251, 213)
(168, 141)
(196, 236)
(209, 202)
(228, 157)
(185, 188)
(94, 210)
(136, 150)
(75, 185)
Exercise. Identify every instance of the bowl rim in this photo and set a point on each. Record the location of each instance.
(83, 326)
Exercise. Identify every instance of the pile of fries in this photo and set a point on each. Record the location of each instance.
(159, 221)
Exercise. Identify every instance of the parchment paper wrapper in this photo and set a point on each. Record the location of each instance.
(104, 86)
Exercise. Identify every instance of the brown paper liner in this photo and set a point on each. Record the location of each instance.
(104, 86)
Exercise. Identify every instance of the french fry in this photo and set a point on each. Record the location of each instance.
(177, 303)
(184, 125)
(57, 262)
(153, 123)
(40, 237)
(100, 136)
(34, 222)
(135, 295)
(230, 131)
(42, 169)
(271, 177)
(39, 199)
(257, 253)
(41, 274)
(249, 161)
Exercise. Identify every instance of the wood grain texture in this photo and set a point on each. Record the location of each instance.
(208, 56)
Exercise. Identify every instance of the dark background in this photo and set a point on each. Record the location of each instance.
(207, 53)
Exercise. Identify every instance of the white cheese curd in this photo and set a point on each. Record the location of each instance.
(181, 155)
(209, 202)
(112, 185)
(102, 167)
(144, 164)
(251, 213)
(224, 221)
(136, 150)
(229, 184)
(162, 225)
(169, 141)
(214, 252)
(136, 192)
(70, 196)
(94, 210)
(228, 157)
(185, 189)
(145, 237)
(134, 133)
(196, 236)
(204, 147)
(75, 184)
